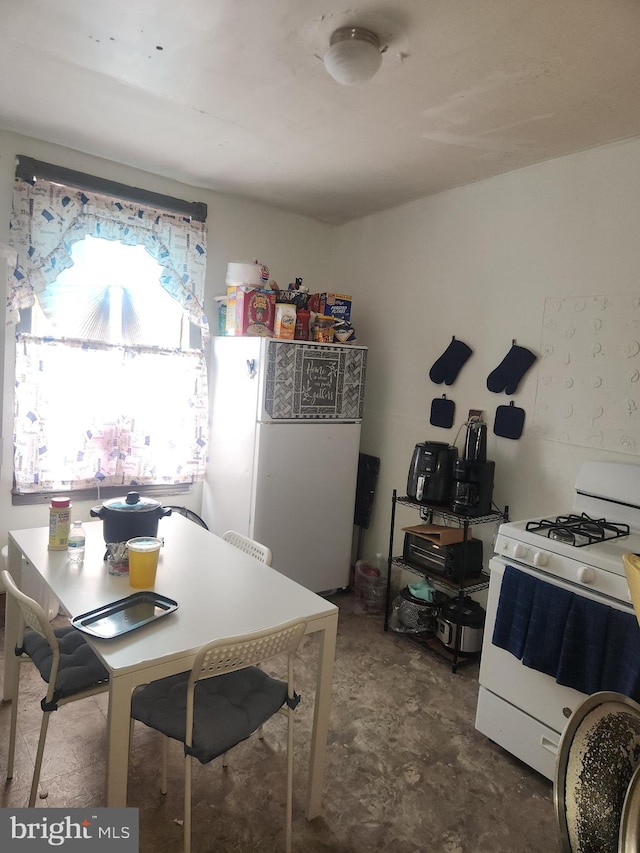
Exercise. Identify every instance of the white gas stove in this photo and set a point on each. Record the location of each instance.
(584, 546)
(577, 557)
(597, 567)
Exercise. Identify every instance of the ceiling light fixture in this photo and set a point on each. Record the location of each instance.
(354, 55)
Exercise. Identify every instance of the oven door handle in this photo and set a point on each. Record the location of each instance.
(549, 745)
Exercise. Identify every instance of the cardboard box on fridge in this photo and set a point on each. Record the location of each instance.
(336, 305)
(438, 534)
(250, 311)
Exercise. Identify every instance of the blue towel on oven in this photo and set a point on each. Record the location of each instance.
(582, 643)
(621, 666)
(547, 624)
(583, 648)
(514, 611)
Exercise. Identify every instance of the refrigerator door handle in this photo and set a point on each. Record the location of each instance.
(251, 368)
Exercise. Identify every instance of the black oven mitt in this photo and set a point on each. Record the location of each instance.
(507, 375)
(442, 412)
(509, 421)
(447, 367)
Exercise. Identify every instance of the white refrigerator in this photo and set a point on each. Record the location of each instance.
(283, 451)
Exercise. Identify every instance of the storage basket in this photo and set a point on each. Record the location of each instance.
(411, 615)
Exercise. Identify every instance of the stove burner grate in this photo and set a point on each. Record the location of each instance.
(578, 530)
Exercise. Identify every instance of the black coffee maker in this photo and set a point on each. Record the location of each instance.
(473, 475)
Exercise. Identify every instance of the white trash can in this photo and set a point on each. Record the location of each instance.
(33, 585)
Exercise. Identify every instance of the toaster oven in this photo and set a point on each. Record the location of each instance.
(455, 561)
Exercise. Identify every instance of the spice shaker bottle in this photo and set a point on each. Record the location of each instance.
(59, 516)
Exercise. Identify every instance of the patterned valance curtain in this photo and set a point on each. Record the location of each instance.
(90, 414)
(47, 219)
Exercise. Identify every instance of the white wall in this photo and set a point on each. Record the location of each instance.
(478, 263)
(239, 230)
(475, 262)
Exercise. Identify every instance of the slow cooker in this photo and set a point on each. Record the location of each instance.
(464, 619)
(126, 517)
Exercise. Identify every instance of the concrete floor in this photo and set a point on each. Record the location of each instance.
(406, 770)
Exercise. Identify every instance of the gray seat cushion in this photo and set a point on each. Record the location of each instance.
(227, 708)
(80, 667)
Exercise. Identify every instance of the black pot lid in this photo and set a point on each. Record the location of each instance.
(132, 502)
(471, 612)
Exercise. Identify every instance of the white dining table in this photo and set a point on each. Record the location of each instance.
(221, 592)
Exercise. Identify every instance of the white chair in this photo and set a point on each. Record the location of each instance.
(595, 801)
(249, 546)
(225, 709)
(63, 658)
(33, 585)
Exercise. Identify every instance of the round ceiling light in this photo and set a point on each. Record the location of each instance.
(354, 55)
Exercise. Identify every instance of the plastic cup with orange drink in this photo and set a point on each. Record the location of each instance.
(143, 560)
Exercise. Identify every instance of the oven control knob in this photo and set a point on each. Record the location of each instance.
(540, 558)
(519, 551)
(586, 574)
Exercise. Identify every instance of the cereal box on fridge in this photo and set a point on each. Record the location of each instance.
(250, 311)
(336, 305)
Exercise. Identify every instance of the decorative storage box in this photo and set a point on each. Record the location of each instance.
(331, 304)
(250, 311)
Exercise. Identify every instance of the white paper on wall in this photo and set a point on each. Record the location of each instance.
(589, 375)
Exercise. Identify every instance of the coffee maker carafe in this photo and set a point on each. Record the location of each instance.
(475, 445)
(473, 474)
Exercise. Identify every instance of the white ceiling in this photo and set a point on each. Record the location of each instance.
(232, 94)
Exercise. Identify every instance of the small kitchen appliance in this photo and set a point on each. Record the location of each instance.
(455, 560)
(430, 472)
(472, 491)
(461, 625)
(124, 518)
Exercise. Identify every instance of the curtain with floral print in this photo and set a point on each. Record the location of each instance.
(90, 413)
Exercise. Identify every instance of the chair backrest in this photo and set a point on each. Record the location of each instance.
(228, 655)
(32, 613)
(596, 761)
(188, 513)
(249, 546)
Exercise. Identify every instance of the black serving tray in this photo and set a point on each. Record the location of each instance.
(124, 615)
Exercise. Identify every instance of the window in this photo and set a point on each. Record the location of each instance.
(110, 373)
(111, 294)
